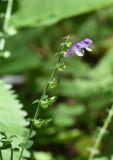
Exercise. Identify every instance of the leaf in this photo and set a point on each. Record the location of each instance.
(101, 158)
(64, 115)
(92, 86)
(26, 145)
(38, 13)
(12, 120)
(43, 156)
(82, 145)
(21, 59)
(67, 135)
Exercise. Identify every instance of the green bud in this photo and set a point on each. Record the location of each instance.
(53, 83)
(68, 44)
(52, 99)
(38, 123)
(44, 104)
(46, 122)
(61, 66)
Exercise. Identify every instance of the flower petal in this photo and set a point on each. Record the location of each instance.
(88, 49)
(69, 53)
(80, 53)
(88, 41)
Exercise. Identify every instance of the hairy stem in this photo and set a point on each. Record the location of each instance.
(38, 107)
(101, 134)
(1, 158)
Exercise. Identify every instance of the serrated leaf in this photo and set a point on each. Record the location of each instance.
(12, 120)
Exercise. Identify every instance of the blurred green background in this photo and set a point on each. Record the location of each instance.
(85, 91)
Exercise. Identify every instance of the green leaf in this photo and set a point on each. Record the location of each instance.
(43, 156)
(66, 135)
(26, 145)
(101, 158)
(21, 59)
(93, 86)
(12, 121)
(37, 13)
(64, 115)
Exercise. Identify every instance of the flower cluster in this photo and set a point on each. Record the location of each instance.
(79, 47)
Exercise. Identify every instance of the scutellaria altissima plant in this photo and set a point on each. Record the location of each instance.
(67, 49)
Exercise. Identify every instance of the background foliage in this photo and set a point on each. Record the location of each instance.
(85, 90)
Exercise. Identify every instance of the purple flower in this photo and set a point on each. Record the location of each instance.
(79, 47)
(86, 43)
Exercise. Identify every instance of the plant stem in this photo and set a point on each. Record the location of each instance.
(11, 154)
(6, 22)
(101, 134)
(7, 14)
(38, 107)
(1, 158)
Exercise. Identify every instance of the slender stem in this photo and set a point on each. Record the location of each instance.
(7, 15)
(1, 158)
(11, 158)
(6, 22)
(38, 107)
(101, 134)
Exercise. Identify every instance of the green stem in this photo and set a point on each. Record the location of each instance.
(38, 107)
(11, 154)
(6, 22)
(7, 15)
(1, 158)
(101, 134)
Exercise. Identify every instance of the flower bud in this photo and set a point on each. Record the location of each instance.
(53, 99)
(38, 123)
(44, 104)
(61, 66)
(46, 122)
(68, 44)
(53, 83)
